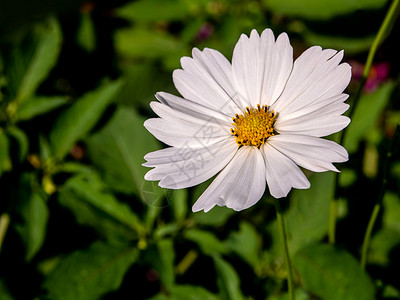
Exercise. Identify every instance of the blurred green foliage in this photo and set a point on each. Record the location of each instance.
(77, 218)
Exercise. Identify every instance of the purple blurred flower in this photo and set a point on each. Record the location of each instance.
(379, 73)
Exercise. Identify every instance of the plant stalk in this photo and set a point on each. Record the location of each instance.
(282, 233)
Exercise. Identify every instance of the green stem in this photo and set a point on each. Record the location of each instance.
(378, 204)
(367, 236)
(282, 233)
(381, 35)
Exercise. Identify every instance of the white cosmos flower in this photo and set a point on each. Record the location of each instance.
(254, 121)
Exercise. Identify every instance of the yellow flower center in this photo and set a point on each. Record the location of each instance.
(254, 126)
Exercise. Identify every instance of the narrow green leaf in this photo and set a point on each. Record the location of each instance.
(227, 279)
(86, 35)
(332, 274)
(90, 273)
(81, 117)
(208, 242)
(45, 56)
(118, 150)
(36, 224)
(36, 106)
(179, 204)
(5, 161)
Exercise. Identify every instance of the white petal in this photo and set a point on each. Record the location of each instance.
(316, 76)
(178, 129)
(313, 107)
(207, 80)
(239, 185)
(318, 119)
(309, 152)
(261, 67)
(317, 127)
(282, 173)
(180, 168)
(193, 109)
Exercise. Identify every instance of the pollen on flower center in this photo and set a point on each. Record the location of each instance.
(254, 126)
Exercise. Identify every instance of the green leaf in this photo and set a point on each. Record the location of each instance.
(20, 136)
(86, 35)
(321, 9)
(350, 45)
(208, 242)
(90, 273)
(249, 237)
(33, 212)
(391, 214)
(332, 274)
(36, 106)
(36, 224)
(382, 243)
(162, 258)
(81, 117)
(215, 217)
(45, 56)
(141, 43)
(4, 292)
(154, 10)
(190, 292)
(118, 150)
(227, 279)
(5, 161)
(101, 210)
(306, 220)
(179, 204)
(366, 114)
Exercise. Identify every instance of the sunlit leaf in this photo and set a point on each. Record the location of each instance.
(350, 45)
(90, 273)
(227, 279)
(36, 106)
(321, 9)
(81, 117)
(331, 274)
(154, 10)
(140, 43)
